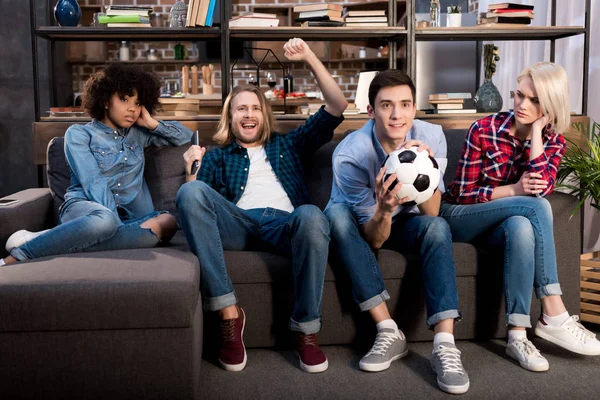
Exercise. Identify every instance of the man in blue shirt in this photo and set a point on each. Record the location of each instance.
(250, 194)
(364, 213)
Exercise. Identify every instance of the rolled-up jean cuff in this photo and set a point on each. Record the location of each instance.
(220, 302)
(448, 314)
(552, 289)
(520, 320)
(306, 328)
(18, 254)
(374, 301)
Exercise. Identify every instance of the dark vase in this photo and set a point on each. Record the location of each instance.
(488, 98)
(67, 12)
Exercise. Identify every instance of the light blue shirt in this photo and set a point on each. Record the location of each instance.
(107, 165)
(359, 157)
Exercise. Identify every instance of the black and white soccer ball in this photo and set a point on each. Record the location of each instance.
(416, 170)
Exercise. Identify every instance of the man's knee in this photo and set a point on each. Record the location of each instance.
(191, 192)
(310, 218)
(437, 229)
(341, 219)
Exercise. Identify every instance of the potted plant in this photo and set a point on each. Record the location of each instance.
(453, 17)
(579, 170)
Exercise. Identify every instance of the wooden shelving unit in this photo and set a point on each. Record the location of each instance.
(227, 37)
(313, 33)
(475, 33)
(88, 33)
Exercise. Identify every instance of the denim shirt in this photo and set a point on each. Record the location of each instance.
(359, 157)
(107, 165)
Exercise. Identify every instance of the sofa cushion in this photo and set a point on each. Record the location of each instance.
(57, 172)
(164, 174)
(455, 140)
(125, 289)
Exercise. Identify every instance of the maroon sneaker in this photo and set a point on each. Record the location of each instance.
(232, 354)
(312, 358)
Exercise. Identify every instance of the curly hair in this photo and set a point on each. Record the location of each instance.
(124, 80)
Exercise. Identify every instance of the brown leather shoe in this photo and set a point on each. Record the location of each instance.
(232, 353)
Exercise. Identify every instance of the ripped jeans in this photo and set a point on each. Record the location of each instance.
(88, 226)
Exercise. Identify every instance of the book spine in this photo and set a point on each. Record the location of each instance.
(211, 12)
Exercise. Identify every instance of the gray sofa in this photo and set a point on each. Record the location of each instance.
(129, 324)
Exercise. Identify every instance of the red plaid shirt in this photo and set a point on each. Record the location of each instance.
(492, 157)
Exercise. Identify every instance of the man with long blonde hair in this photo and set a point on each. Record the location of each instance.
(250, 194)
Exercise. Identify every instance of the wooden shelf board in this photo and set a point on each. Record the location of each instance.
(319, 33)
(169, 61)
(143, 61)
(148, 34)
(470, 33)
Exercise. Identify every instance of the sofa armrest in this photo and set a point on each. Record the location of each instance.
(567, 239)
(33, 212)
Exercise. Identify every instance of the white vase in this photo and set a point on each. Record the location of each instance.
(453, 20)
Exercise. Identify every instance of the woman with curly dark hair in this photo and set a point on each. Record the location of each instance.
(108, 205)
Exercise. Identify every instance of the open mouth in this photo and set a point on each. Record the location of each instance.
(248, 125)
(397, 125)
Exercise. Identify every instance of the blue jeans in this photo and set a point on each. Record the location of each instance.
(521, 227)
(356, 256)
(88, 226)
(212, 224)
(430, 235)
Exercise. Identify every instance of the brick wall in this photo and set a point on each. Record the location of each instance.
(345, 73)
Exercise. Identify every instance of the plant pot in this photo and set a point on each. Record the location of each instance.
(67, 12)
(488, 98)
(453, 20)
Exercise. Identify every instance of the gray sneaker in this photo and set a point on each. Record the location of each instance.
(451, 376)
(388, 347)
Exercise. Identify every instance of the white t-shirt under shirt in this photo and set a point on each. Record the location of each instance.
(263, 189)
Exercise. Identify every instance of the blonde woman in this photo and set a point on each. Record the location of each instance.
(508, 165)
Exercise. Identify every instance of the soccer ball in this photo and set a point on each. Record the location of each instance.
(416, 170)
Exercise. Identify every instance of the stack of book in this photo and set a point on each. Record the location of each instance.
(253, 19)
(366, 18)
(324, 14)
(450, 103)
(126, 17)
(508, 13)
(200, 13)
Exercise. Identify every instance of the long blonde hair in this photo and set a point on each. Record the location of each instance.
(552, 87)
(224, 135)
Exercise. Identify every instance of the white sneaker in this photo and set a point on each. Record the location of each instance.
(527, 355)
(571, 335)
(19, 238)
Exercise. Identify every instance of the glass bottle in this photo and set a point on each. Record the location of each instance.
(178, 51)
(362, 53)
(434, 13)
(124, 51)
(288, 82)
